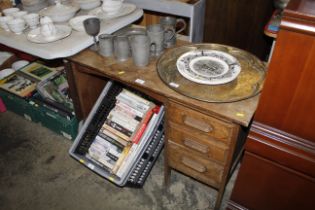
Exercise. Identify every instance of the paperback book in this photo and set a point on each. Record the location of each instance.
(18, 85)
(38, 71)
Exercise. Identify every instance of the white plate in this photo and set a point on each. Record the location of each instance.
(77, 22)
(125, 9)
(19, 64)
(227, 68)
(35, 36)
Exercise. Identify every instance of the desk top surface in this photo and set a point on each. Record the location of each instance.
(147, 78)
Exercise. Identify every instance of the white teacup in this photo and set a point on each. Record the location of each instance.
(4, 22)
(16, 25)
(10, 11)
(19, 14)
(112, 6)
(32, 20)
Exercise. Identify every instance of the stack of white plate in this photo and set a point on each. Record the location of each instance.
(34, 5)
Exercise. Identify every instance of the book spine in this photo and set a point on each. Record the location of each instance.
(111, 140)
(131, 102)
(99, 154)
(127, 161)
(115, 137)
(136, 97)
(124, 121)
(143, 125)
(119, 128)
(121, 159)
(136, 148)
(105, 146)
(130, 109)
(126, 112)
(96, 162)
(112, 156)
(116, 132)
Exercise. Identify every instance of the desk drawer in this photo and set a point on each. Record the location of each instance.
(200, 122)
(195, 166)
(203, 145)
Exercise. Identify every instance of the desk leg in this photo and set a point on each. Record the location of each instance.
(167, 169)
(72, 89)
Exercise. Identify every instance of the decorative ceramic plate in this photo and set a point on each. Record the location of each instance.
(35, 36)
(125, 9)
(77, 22)
(209, 67)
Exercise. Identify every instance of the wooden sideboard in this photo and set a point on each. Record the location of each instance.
(203, 140)
(278, 168)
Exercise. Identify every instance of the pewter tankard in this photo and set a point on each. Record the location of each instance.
(170, 24)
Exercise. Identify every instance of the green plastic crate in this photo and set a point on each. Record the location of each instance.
(18, 105)
(61, 124)
(64, 125)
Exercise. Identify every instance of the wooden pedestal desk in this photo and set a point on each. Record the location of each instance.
(204, 140)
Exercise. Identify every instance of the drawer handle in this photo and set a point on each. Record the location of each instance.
(202, 126)
(194, 165)
(196, 146)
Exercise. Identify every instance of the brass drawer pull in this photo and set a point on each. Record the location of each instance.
(202, 126)
(194, 165)
(196, 146)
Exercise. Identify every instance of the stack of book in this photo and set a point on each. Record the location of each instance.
(23, 82)
(124, 133)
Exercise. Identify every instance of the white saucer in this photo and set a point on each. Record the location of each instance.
(35, 36)
(125, 9)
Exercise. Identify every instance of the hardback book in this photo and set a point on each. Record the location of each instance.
(18, 85)
(38, 71)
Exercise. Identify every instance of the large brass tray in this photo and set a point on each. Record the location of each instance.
(247, 84)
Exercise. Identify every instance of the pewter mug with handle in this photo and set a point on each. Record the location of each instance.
(158, 37)
(170, 24)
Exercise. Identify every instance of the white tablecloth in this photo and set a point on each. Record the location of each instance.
(68, 46)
